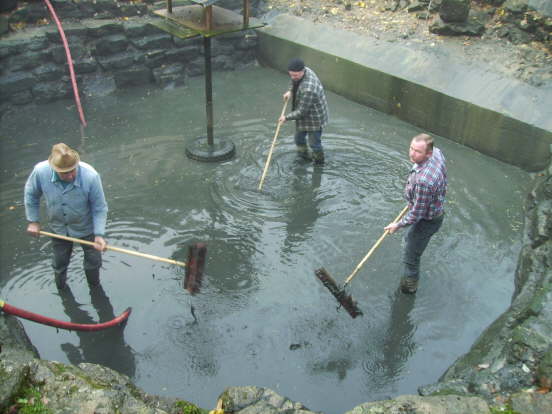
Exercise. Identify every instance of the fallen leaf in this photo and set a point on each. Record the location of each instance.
(525, 368)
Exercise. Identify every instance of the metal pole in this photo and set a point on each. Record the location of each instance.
(208, 89)
(246, 12)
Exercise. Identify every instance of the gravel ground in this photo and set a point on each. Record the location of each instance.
(529, 62)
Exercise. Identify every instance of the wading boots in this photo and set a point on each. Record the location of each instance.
(61, 280)
(93, 277)
(409, 285)
(318, 157)
(303, 152)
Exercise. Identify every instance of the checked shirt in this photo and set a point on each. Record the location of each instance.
(310, 111)
(425, 189)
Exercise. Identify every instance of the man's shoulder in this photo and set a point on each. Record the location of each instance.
(87, 176)
(431, 175)
(42, 165)
(438, 155)
(88, 169)
(42, 168)
(311, 78)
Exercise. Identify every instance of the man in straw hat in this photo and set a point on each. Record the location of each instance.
(75, 207)
(309, 109)
(425, 192)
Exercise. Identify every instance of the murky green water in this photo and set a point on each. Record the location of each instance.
(264, 319)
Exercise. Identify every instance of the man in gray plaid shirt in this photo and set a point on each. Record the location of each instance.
(309, 109)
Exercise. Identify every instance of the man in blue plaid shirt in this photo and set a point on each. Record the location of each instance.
(425, 192)
(309, 109)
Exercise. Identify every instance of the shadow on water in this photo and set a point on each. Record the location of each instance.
(106, 347)
(303, 208)
(399, 343)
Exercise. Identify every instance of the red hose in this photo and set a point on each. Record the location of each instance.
(69, 61)
(35, 317)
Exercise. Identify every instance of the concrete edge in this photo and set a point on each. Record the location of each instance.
(469, 105)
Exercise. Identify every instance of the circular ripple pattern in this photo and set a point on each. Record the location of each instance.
(261, 316)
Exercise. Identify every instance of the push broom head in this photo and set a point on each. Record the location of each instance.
(194, 267)
(342, 297)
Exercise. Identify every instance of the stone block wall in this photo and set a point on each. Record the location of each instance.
(107, 53)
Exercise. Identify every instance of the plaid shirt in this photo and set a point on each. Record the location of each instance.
(425, 189)
(310, 109)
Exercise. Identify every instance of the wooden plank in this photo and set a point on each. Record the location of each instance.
(175, 29)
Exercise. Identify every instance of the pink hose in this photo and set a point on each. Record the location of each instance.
(69, 61)
(44, 320)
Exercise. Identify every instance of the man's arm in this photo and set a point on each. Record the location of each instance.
(422, 198)
(307, 100)
(32, 195)
(98, 206)
(416, 211)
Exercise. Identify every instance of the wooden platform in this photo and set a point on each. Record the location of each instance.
(193, 20)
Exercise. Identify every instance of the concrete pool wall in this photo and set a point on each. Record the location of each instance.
(423, 85)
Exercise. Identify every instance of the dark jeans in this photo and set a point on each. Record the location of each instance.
(417, 238)
(315, 141)
(62, 255)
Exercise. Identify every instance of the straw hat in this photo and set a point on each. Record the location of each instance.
(63, 158)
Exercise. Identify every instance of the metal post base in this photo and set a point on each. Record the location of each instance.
(200, 150)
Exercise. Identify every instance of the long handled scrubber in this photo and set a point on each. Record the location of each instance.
(114, 248)
(339, 292)
(269, 157)
(194, 270)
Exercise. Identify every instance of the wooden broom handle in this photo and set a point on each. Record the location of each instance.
(117, 249)
(374, 247)
(272, 146)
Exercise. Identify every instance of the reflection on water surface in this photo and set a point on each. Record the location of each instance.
(262, 316)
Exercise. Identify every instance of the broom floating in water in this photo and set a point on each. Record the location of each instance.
(339, 292)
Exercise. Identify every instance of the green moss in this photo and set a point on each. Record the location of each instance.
(3, 374)
(134, 391)
(58, 368)
(507, 409)
(186, 407)
(72, 373)
(30, 402)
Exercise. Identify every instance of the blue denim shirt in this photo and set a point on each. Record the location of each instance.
(77, 210)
